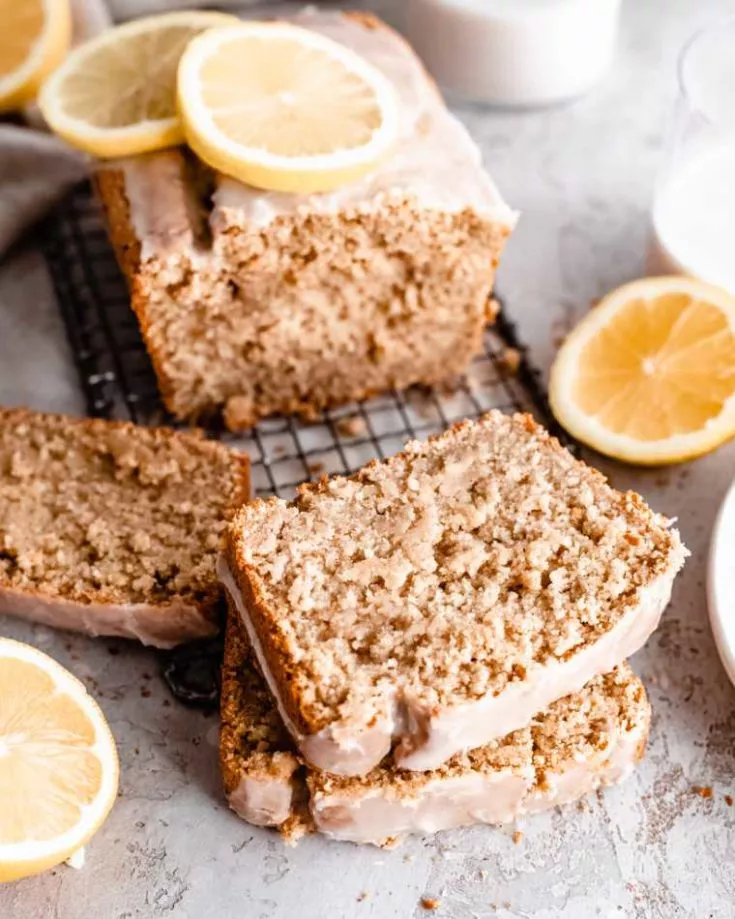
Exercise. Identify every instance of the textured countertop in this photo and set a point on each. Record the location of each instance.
(654, 848)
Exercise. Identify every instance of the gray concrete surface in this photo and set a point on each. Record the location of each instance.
(653, 849)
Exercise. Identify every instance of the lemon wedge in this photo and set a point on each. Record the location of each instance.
(284, 108)
(648, 376)
(35, 36)
(58, 763)
(116, 94)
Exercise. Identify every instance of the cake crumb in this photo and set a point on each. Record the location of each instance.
(704, 791)
(361, 897)
(728, 800)
(316, 468)
(510, 361)
(351, 426)
(517, 837)
(430, 903)
(583, 806)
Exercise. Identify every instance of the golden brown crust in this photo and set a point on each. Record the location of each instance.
(249, 724)
(38, 583)
(271, 639)
(109, 183)
(255, 750)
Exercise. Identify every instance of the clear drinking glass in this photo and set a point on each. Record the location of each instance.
(694, 203)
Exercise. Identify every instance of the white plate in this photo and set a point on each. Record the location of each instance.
(721, 583)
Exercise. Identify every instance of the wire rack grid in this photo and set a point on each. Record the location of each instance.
(118, 379)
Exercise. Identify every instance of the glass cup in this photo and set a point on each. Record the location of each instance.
(694, 201)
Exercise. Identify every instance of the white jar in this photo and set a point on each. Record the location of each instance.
(515, 52)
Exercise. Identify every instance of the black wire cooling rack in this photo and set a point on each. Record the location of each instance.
(118, 382)
(118, 379)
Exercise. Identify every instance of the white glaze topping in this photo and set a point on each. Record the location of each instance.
(435, 160)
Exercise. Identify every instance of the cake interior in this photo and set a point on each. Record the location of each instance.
(110, 513)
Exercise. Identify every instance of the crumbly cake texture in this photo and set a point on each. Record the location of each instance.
(586, 740)
(462, 569)
(111, 528)
(254, 303)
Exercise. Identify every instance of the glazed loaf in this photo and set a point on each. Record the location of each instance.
(253, 303)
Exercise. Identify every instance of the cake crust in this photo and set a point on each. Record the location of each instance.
(447, 594)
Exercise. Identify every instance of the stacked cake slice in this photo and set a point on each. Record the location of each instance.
(442, 637)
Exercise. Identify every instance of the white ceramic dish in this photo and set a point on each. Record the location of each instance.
(721, 583)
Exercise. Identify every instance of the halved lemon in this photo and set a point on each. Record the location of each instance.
(116, 94)
(35, 36)
(648, 376)
(58, 763)
(284, 108)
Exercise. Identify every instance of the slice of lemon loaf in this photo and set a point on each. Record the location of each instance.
(443, 597)
(253, 302)
(112, 529)
(584, 741)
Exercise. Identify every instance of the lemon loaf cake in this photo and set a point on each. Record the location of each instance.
(443, 597)
(589, 739)
(112, 529)
(253, 302)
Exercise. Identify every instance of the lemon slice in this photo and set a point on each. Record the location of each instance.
(35, 36)
(284, 108)
(649, 375)
(116, 94)
(58, 763)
